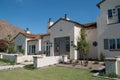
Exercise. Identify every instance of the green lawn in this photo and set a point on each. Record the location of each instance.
(2, 63)
(52, 73)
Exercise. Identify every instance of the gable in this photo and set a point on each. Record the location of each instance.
(69, 21)
(62, 26)
(19, 34)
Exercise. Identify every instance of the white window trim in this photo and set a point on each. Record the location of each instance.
(115, 44)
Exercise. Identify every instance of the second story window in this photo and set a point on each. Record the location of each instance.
(110, 13)
(113, 16)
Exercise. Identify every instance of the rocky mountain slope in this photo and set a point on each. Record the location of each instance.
(6, 29)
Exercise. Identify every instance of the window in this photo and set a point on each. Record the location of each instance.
(112, 44)
(110, 13)
(33, 48)
(67, 44)
(19, 48)
(119, 15)
(118, 43)
(106, 47)
(47, 48)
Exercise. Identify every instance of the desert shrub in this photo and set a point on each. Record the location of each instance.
(112, 75)
(96, 62)
(102, 57)
(29, 67)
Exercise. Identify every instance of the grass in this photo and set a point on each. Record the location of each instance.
(1, 63)
(52, 73)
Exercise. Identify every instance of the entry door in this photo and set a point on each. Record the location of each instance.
(62, 46)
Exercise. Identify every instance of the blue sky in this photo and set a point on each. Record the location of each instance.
(34, 14)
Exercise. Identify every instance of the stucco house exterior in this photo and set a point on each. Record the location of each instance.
(59, 39)
(108, 28)
(64, 33)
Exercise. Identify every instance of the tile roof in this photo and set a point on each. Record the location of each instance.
(31, 36)
(98, 5)
(90, 25)
(48, 34)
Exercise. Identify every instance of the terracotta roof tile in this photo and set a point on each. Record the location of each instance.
(90, 25)
(33, 36)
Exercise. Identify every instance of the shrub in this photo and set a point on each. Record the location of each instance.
(3, 46)
(96, 62)
(113, 75)
(86, 63)
(29, 67)
(102, 57)
(22, 51)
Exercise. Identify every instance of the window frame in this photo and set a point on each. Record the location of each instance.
(110, 13)
(114, 42)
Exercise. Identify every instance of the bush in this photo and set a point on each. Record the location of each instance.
(3, 46)
(96, 62)
(29, 67)
(113, 75)
(102, 57)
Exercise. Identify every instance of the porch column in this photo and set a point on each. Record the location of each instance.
(26, 48)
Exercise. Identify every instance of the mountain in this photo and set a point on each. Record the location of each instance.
(6, 29)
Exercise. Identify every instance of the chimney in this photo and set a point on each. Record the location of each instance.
(66, 17)
(50, 23)
(27, 31)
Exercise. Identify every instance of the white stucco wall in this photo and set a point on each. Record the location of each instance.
(76, 35)
(46, 61)
(67, 31)
(92, 37)
(20, 40)
(105, 30)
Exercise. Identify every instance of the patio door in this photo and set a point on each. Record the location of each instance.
(62, 46)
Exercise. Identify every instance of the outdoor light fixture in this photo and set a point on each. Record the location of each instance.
(72, 43)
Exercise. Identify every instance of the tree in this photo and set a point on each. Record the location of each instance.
(3, 46)
(11, 45)
(82, 45)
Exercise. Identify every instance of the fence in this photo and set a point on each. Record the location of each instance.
(18, 58)
(40, 61)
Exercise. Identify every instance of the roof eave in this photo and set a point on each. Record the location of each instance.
(98, 5)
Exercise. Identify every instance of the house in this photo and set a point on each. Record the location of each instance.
(108, 28)
(64, 33)
(59, 39)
